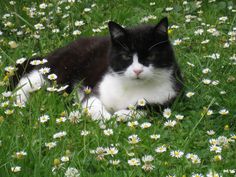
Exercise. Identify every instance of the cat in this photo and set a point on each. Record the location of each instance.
(127, 65)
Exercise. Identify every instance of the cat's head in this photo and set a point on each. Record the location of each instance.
(140, 52)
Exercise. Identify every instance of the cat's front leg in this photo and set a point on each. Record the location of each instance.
(127, 114)
(96, 109)
(27, 84)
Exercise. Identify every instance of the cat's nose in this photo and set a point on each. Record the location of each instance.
(137, 71)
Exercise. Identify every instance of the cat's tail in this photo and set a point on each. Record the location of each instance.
(21, 70)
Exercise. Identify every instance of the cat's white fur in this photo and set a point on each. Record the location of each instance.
(29, 83)
(116, 92)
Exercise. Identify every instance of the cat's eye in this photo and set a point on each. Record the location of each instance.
(126, 57)
(151, 57)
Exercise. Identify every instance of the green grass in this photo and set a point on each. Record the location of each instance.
(21, 130)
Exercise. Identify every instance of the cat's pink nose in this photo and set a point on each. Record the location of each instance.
(138, 71)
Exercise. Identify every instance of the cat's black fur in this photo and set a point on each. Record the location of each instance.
(88, 59)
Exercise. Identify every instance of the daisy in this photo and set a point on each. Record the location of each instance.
(16, 169)
(206, 70)
(114, 162)
(209, 112)
(20, 154)
(215, 148)
(62, 88)
(51, 145)
(190, 94)
(76, 32)
(44, 70)
(133, 124)
(84, 133)
(134, 162)
(213, 174)
(224, 112)
(141, 102)
(111, 151)
(199, 32)
(177, 154)
(147, 158)
(74, 117)
(205, 41)
(145, 125)
(197, 175)
(108, 132)
(65, 159)
(52, 76)
(44, 118)
(79, 23)
(206, 81)
(179, 117)
(20, 60)
(155, 136)
(59, 135)
(35, 62)
(170, 123)
(10, 69)
(210, 132)
(217, 158)
(177, 42)
(72, 172)
(133, 139)
(87, 90)
(167, 113)
(168, 9)
(148, 167)
(13, 44)
(60, 119)
(160, 149)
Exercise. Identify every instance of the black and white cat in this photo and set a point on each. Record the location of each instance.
(130, 64)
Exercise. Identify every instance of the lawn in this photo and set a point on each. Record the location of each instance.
(194, 138)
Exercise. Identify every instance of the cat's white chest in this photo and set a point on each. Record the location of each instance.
(118, 93)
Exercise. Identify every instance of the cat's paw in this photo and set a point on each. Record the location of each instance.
(98, 114)
(96, 110)
(123, 115)
(20, 97)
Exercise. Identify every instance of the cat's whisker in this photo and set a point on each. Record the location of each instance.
(157, 44)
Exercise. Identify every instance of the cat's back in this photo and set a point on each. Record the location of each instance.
(84, 59)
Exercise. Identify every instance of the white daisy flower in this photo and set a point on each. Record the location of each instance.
(170, 123)
(20, 60)
(177, 153)
(75, 117)
(224, 112)
(51, 145)
(111, 151)
(108, 132)
(44, 118)
(145, 125)
(134, 162)
(52, 76)
(155, 136)
(59, 135)
(167, 113)
(190, 94)
(44, 70)
(133, 139)
(72, 172)
(210, 132)
(160, 149)
(16, 169)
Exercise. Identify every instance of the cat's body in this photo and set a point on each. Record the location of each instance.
(132, 64)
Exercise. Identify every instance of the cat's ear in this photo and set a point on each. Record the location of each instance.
(116, 31)
(162, 26)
